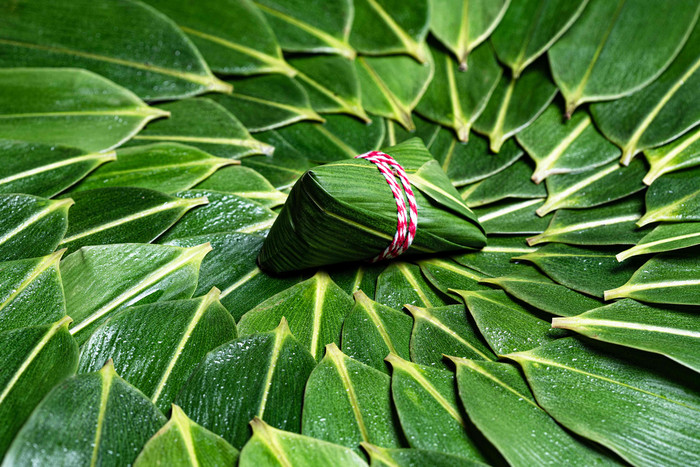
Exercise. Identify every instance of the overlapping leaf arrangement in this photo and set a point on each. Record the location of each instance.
(136, 325)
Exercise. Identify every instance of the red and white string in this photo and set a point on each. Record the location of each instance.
(407, 223)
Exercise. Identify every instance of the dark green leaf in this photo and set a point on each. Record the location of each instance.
(359, 277)
(512, 182)
(445, 274)
(680, 154)
(381, 457)
(672, 198)
(495, 259)
(665, 237)
(402, 283)
(507, 217)
(244, 182)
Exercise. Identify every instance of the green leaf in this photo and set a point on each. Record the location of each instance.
(183, 442)
(530, 27)
(515, 104)
(445, 274)
(539, 291)
(204, 124)
(485, 385)
(671, 332)
(662, 112)
(155, 347)
(285, 166)
(122, 214)
(300, 28)
(425, 130)
(31, 292)
(665, 237)
(680, 154)
(347, 402)
(456, 98)
(511, 182)
(371, 331)
(382, 457)
(610, 224)
(672, 198)
(426, 402)
(31, 226)
(277, 368)
(127, 42)
(506, 325)
(48, 171)
(444, 331)
(232, 35)
(267, 102)
(359, 277)
(593, 187)
(393, 86)
(591, 62)
(97, 284)
(507, 217)
(402, 283)
(244, 182)
(100, 407)
(642, 415)
(376, 30)
(672, 277)
(74, 108)
(35, 359)
(560, 146)
(315, 310)
(496, 258)
(588, 270)
(278, 448)
(462, 33)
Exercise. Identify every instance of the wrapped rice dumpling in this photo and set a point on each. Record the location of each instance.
(345, 211)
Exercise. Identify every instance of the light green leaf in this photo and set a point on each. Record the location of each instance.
(462, 33)
(680, 154)
(456, 98)
(672, 277)
(402, 283)
(672, 198)
(642, 415)
(486, 385)
(97, 284)
(511, 182)
(278, 448)
(122, 215)
(347, 402)
(530, 27)
(515, 104)
(393, 86)
(382, 457)
(508, 217)
(372, 331)
(277, 368)
(315, 310)
(155, 347)
(496, 258)
(560, 146)
(92, 419)
(232, 35)
(244, 182)
(127, 42)
(183, 442)
(665, 237)
(34, 360)
(44, 170)
(74, 108)
(591, 62)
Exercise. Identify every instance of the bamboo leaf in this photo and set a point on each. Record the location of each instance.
(680, 154)
(456, 98)
(315, 310)
(100, 407)
(371, 331)
(277, 368)
(382, 457)
(281, 449)
(515, 104)
(665, 237)
(654, 420)
(31, 226)
(128, 42)
(244, 182)
(75, 108)
(425, 130)
(347, 402)
(661, 113)
(97, 284)
(122, 214)
(560, 146)
(530, 27)
(284, 167)
(31, 293)
(393, 86)
(155, 347)
(402, 283)
(183, 442)
(353, 279)
(674, 197)
(672, 277)
(48, 171)
(445, 274)
(589, 62)
(506, 217)
(35, 359)
(233, 36)
(462, 33)
(496, 258)
(511, 182)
